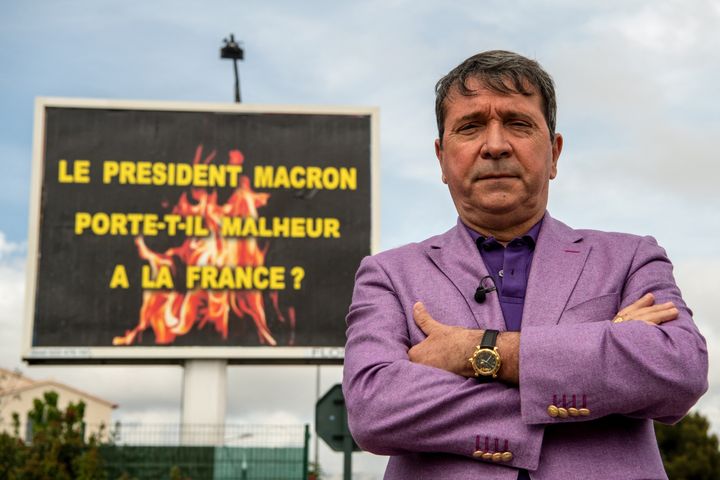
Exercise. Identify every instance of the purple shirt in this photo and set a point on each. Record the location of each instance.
(509, 267)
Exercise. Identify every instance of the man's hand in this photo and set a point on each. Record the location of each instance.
(645, 310)
(445, 347)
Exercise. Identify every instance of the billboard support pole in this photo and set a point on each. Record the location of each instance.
(204, 399)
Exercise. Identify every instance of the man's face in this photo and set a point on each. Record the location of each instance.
(497, 157)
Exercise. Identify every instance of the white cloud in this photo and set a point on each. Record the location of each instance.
(655, 29)
(12, 296)
(698, 281)
(10, 250)
(636, 84)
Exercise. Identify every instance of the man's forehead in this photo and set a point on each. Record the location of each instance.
(501, 86)
(462, 100)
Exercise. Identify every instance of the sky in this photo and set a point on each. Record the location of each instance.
(638, 108)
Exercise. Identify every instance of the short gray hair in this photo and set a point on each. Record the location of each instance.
(503, 72)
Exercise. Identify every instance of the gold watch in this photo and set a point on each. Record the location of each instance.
(485, 360)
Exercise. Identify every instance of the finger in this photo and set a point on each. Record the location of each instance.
(659, 311)
(643, 312)
(652, 309)
(423, 318)
(645, 301)
(659, 317)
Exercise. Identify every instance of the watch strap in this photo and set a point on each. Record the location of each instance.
(489, 339)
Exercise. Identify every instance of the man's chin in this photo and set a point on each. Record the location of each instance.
(496, 205)
(487, 209)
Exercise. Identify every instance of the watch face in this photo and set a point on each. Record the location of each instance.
(486, 361)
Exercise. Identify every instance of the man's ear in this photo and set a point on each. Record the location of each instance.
(556, 150)
(441, 158)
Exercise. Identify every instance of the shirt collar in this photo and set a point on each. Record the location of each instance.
(489, 243)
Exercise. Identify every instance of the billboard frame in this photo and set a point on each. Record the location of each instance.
(314, 355)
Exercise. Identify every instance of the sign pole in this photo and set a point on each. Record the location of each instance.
(348, 445)
(317, 397)
(332, 426)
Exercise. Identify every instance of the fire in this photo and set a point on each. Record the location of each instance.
(171, 314)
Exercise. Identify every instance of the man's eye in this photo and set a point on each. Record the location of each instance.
(467, 126)
(519, 124)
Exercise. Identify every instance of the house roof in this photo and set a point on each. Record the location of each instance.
(12, 379)
(26, 384)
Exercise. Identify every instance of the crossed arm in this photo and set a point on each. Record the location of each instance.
(405, 395)
(449, 348)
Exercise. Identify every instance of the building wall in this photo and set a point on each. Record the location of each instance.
(96, 412)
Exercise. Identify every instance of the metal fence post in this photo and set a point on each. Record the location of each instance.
(306, 452)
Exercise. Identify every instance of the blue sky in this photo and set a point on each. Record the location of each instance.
(638, 107)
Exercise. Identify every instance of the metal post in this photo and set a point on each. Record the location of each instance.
(237, 82)
(306, 452)
(317, 397)
(347, 450)
(244, 466)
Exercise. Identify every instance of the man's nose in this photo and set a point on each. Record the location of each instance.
(496, 145)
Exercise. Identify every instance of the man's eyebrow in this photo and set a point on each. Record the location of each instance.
(504, 114)
(516, 114)
(478, 114)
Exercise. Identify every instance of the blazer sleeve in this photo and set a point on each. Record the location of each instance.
(628, 368)
(396, 406)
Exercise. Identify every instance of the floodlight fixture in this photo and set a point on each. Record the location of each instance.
(233, 51)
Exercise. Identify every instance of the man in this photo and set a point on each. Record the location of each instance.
(594, 338)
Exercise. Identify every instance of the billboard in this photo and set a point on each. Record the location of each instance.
(161, 232)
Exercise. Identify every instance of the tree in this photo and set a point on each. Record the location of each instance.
(58, 450)
(688, 450)
(11, 450)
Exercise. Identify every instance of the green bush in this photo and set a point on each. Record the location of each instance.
(689, 451)
(57, 450)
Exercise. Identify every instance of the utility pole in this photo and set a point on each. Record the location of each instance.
(232, 50)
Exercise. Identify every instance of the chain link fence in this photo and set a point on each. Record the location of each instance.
(206, 452)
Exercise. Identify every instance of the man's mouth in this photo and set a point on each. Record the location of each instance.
(495, 176)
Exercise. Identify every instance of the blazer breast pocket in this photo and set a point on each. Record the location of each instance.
(594, 309)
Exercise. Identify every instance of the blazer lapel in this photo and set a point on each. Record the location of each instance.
(558, 260)
(457, 257)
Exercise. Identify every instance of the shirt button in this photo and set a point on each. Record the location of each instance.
(501, 273)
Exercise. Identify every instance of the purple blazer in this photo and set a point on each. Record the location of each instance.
(431, 421)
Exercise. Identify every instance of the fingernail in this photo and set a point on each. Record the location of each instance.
(418, 306)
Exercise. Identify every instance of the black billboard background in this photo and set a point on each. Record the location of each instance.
(74, 306)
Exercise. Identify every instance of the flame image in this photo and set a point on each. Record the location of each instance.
(171, 314)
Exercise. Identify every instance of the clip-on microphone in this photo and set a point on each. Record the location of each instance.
(482, 290)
